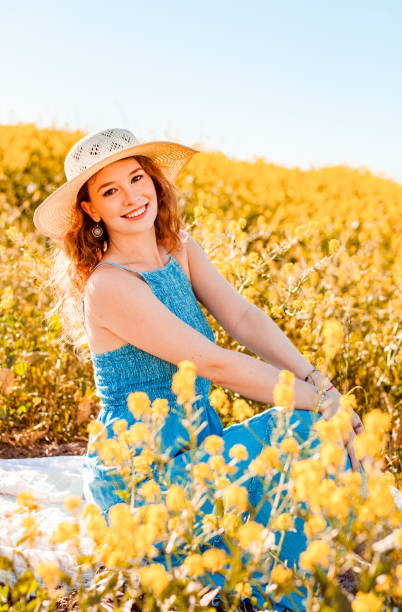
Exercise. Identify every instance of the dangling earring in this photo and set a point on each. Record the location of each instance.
(97, 230)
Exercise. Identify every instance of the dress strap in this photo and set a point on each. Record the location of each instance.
(111, 263)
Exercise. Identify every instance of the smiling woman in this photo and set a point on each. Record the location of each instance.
(122, 250)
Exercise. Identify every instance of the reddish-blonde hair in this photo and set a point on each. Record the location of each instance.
(74, 257)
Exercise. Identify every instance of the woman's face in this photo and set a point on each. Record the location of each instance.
(118, 190)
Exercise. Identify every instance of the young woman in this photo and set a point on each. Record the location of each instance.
(123, 253)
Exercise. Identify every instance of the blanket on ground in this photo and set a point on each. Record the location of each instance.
(50, 480)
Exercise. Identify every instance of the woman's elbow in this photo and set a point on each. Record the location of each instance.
(216, 368)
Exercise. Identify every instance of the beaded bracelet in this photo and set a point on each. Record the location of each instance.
(311, 371)
(322, 396)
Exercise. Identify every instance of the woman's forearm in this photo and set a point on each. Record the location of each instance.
(259, 333)
(256, 379)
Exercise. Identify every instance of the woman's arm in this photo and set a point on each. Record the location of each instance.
(260, 334)
(246, 323)
(141, 319)
(256, 380)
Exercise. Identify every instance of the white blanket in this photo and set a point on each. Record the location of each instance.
(50, 480)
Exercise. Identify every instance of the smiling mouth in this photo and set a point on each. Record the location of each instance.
(136, 212)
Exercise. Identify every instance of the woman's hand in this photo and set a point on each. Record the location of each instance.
(328, 408)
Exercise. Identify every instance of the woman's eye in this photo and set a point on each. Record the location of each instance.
(111, 189)
(108, 191)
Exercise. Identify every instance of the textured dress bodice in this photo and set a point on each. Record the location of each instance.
(127, 369)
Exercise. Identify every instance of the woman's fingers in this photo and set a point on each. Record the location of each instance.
(357, 424)
(351, 452)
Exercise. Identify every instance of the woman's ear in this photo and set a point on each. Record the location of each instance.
(87, 207)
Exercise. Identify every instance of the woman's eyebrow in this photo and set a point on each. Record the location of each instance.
(111, 182)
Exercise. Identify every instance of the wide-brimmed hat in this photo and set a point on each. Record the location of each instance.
(55, 215)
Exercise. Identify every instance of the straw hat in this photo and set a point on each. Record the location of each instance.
(54, 216)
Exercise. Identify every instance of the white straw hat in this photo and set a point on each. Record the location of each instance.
(54, 216)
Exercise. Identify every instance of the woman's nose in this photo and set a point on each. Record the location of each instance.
(131, 195)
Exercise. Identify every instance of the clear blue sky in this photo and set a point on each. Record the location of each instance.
(301, 83)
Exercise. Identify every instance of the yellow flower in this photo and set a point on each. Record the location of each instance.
(214, 559)
(110, 451)
(160, 410)
(243, 589)
(214, 444)
(142, 462)
(333, 246)
(193, 565)
(210, 522)
(7, 299)
(284, 390)
(317, 553)
(307, 476)
(276, 311)
(348, 402)
(384, 583)
(314, 524)
(367, 602)
(218, 464)
(286, 378)
(150, 490)
(249, 533)
(31, 530)
(49, 572)
(265, 461)
(154, 577)
(183, 381)
(288, 269)
(236, 497)
(176, 498)
(230, 523)
(119, 426)
(367, 443)
(331, 454)
(219, 401)
(241, 409)
(65, 531)
(238, 452)
(72, 502)
(380, 502)
(336, 500)
(26, 500)
(281, 574)
(377, 422)
(398, 538)
(95, 428)
(352, 482)
(327, 430)
(283, 521)
(137, 434)
(290, 445)
(201, 472)
(333, 335)
(138, 403)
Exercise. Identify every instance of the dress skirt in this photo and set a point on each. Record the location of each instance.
(254, 433)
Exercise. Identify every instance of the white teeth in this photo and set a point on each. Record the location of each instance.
(139, 211)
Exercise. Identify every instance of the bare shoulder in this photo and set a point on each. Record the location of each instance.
(106, 282)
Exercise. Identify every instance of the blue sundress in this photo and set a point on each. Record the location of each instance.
(128, 368)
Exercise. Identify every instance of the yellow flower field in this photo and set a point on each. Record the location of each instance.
(320, 251)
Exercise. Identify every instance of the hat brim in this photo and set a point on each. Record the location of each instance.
(54, 216)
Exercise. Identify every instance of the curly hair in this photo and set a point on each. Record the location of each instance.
(73, 258)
